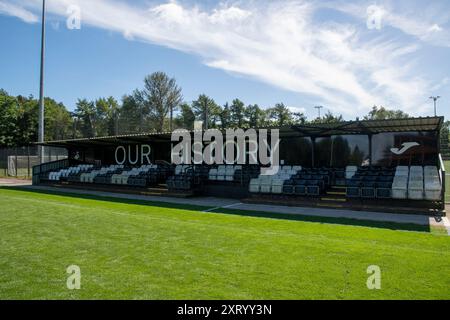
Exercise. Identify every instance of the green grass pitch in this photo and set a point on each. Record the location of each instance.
(137, 250)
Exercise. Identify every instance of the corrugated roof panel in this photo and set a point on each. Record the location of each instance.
(327, 129)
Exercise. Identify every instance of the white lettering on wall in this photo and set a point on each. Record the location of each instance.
(136, 155)
(133, 154)
(124, 158)
(145, 154)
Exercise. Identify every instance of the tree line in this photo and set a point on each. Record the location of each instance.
(157, 107)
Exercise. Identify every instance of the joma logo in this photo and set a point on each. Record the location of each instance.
(405, 147)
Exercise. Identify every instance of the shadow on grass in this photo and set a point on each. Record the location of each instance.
(245, 213)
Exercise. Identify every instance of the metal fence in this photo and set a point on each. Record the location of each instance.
(18, 162)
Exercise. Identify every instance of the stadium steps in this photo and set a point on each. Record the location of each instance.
(167, 193)
(331, 198)
(335, 193)
(330, 205)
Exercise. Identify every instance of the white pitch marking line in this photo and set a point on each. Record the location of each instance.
(446, 224)
(224, 207)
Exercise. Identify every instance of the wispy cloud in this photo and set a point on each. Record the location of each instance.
(280, 43)
(11, 9)
(426, 23)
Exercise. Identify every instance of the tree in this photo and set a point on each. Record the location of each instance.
(160, 96)
(206, 110)
(19, 120)
(225, 116)
(329, 117)
(107, 116)
(58, 122)
(8, 118)
(86, 114)
(256, 116)
(280, 115)
(381, 113)
(186, 118)
(445, 131)
(130, 115)
(298, 118)
(237, 110)
(27, 120)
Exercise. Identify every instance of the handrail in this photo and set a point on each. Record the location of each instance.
(443, 177)
(45, 167)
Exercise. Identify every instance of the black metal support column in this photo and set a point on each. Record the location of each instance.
(313, 152)
(370, 149)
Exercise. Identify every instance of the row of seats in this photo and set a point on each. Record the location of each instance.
(351, 171)
(151, 177)
(370, 187)
(417, 183)
(309, 182)
(267, 184)
(89, 177)
(64, 173)
(123, 177)
(223, 173)
(238, 174)
(414, 183)
(297, 181)
(187, 177)
(144, 176)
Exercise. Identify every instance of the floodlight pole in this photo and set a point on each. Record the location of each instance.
(435, 99)
(41, 88)
(319, 108)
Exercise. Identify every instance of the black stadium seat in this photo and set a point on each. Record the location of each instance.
(371, 183)
(384, 190)
(353, 188)
(313, 187)
(300, 188)
(368, 189)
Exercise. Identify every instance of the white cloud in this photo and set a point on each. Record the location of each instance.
(10, 9)
(279, 43)
(229, 15)
(414, 20)
(435, 28)
(297, 109)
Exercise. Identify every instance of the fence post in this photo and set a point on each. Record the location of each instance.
(28, 162)
(15, 158)
(7, 162)
(2, 154)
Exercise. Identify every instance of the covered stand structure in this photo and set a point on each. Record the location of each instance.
(352, 147)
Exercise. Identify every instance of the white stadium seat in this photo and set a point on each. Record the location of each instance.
(229, 173)
(350, 171)
(415, 190)
(431, 171)
(265, 184)
(400, 188)
(221, 172)
(277, 186)
(213, 174)
(433, 190)
(402, 171)
(433, 184)
(254, 185)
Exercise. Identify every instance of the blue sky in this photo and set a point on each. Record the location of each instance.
(346, 56)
